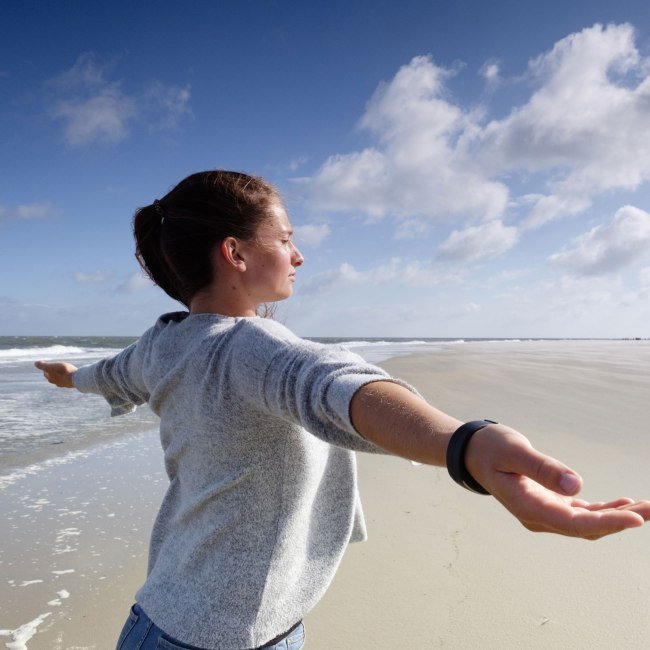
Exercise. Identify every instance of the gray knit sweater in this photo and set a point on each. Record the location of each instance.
(258, 443)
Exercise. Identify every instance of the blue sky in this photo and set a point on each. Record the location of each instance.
(466, 169)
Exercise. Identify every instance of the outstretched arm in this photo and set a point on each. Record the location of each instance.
(58, 373)
(537, 489)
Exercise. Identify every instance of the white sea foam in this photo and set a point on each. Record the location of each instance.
(53, 352)
(67, 532)
(62, 595)
(378, 351)
(50, 350)
(24, 633)
(354, 344)
(37, 468)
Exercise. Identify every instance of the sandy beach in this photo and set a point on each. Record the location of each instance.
(447, 568)
(442, 567)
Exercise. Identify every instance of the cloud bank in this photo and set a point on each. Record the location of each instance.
(583, 130)
(419, 166)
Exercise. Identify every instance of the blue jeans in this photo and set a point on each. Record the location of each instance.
(140, 633)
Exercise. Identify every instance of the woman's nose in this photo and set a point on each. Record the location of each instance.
(297, 259)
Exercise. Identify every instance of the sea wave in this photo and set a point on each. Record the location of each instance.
(382, 350)
(355, 344)
(126, 441)
(13, 355)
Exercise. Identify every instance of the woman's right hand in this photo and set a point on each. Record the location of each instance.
(540, 491)
(537, 489)
(57, 373)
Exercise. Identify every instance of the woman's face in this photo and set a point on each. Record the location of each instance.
(272, 259)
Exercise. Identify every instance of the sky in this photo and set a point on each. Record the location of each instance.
(465, 169)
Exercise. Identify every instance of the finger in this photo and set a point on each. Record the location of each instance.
(602, 505)
(47, 370)
(536, 507)
(541, 510)
(547, 471)
(588, 524)
(593, 525)
(641, 508)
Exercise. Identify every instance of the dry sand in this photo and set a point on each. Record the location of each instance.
(447, 568)
(442, 567)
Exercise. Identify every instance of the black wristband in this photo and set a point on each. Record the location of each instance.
(456, 455)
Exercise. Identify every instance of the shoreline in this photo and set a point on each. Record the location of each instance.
(442, 567)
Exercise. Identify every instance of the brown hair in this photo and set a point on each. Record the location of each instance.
(176, 236)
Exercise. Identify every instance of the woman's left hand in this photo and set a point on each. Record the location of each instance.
(57, 373)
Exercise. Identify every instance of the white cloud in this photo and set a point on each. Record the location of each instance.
(167, 105)
(569, 306)
(465, 309)
(320, 283)
(101, 118)
(478, 242)
(606, 249)
(572, 296)
(297, 163)
(33, 211)
(26, 212)
(583, 130)
(395, 271)
(644, 277)
(84, 73)
(135, 282)
(311, 234)
(588, 122)
(95, 109)
(490, 71)
(94, 277)
(411, 229)
(553, 206)
(418, 166)
(398, 271)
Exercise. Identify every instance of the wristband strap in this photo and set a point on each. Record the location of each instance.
(456, 455)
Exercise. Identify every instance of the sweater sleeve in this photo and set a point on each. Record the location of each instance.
(118, 379)
(312, 385)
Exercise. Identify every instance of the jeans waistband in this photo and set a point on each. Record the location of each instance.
(279, 638)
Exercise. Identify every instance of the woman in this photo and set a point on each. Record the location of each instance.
(259, 430)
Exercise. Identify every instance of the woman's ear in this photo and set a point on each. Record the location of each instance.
(231, 253)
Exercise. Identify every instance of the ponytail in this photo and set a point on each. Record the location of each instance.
(147, 225)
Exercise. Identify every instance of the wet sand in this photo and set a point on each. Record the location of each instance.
(442, 567)
(75, 544)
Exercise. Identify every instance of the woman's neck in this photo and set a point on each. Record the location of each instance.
(230, 301)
